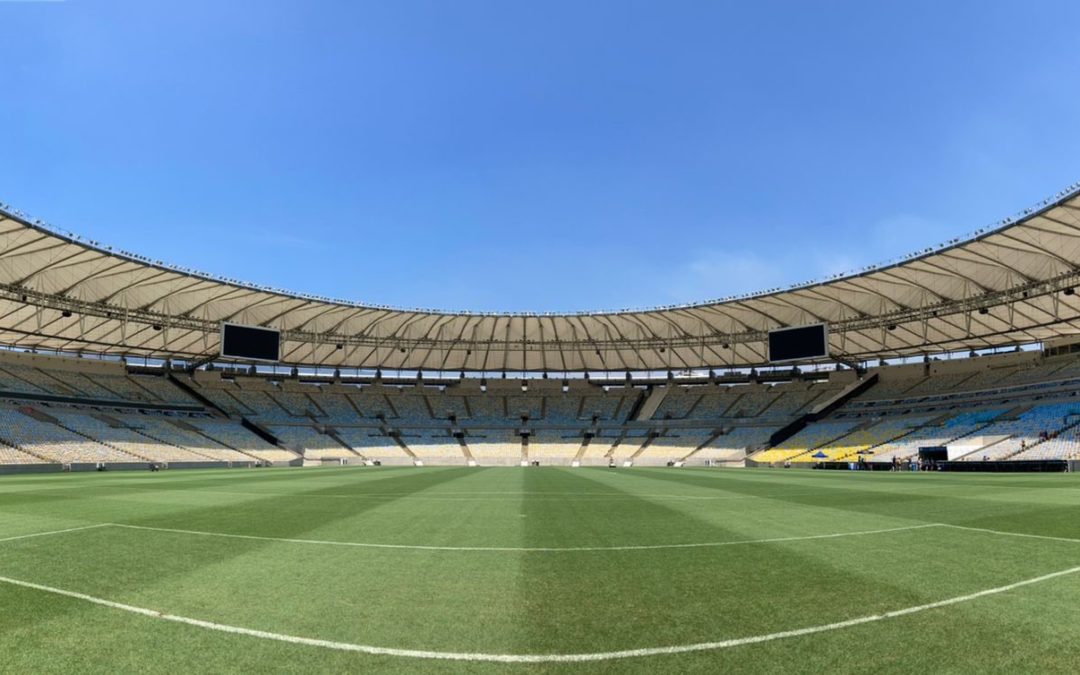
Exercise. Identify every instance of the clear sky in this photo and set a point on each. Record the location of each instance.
(534, 156)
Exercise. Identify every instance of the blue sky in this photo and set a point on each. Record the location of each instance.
(534, 156)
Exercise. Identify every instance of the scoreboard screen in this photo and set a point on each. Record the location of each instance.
(801, 342)
(250, 343)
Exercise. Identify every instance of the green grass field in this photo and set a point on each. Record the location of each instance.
(741, 567)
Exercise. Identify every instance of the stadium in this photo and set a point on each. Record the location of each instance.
(652, 449)
(871, 471)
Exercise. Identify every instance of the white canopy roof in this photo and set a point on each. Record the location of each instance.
(1005, 285)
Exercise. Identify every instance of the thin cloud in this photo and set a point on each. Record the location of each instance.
(714, 273)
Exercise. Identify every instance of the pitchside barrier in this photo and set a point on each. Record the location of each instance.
(208, 465)
(865, 466)
(108, 466)
(1040, 466)
(30, 468)
(1046, 465)
(144, 466)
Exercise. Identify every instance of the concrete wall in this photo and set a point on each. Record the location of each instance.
(206, 465)
(63, 363)
(981, 363)
(908, 371)
(843, 377)
(112, 466)
(30, 468)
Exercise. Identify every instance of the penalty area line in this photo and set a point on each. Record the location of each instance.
(525, 549)
(536, 658)
(1004, 533)
(51, 532)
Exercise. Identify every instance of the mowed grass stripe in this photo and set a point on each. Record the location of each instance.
(521, 549)
(515, 602)
(547, 657)
(975, 500)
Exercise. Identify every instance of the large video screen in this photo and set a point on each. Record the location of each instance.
(802, 342)
(249, 342)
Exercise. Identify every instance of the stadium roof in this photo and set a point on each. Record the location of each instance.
(1004, 285)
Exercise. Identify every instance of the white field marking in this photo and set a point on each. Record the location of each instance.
(1003, 533)
(45, 534)
(539, 658)
(513, 549)
(466, 496)
(461, 496)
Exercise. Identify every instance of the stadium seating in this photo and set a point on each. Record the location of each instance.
(434, 446)
(562, 408)
(1064, 445)
(935, 435)
(732, 445)
(169, 431)
(10, 455)
(10, 381)
(56, 443)
(296, 404)
(1003, 407)
(672, 446)
(488, 407)
(374, 445)
(335, 406)
(629, 445)
(309, 442)
(863, 438)
(494, 447)
(806, 440)
(233, 435)
(158, 388)
(1026, 430)
(126, 439)
(599, 446)
(610, 406)
(410, 408)
(554, 447)
(444, 406)
(679, 402)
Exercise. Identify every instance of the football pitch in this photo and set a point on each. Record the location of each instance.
(494, 570)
